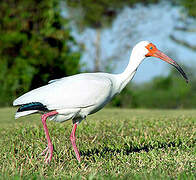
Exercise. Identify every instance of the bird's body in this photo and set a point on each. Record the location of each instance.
(77, 96)
(91, 92)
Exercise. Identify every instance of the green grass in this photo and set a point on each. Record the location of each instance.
(114, 144)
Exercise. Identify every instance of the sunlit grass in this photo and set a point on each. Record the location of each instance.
(114, 143)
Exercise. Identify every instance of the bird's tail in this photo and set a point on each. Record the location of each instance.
(24, 113)
(30, 108)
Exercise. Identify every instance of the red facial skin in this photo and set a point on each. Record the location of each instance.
(154, 52)
(151, 49)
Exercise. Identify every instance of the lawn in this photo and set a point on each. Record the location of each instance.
(113, 143)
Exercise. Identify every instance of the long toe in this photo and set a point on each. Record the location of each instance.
(49, 154)
(44, 152)
(46, 158)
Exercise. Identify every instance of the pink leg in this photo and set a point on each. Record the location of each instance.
(73, 139)
(49, 149)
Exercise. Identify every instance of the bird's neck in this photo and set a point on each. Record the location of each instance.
(134, 61)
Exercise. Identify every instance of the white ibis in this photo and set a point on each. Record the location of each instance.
(75, 97)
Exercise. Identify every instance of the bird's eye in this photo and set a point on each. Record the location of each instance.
(151, 47)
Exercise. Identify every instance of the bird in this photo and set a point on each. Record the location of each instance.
(77, 96)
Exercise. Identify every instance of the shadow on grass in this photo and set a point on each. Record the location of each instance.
(128, 149)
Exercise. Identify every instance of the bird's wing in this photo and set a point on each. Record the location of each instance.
(81, 90)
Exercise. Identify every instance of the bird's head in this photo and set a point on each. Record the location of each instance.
(150, 50)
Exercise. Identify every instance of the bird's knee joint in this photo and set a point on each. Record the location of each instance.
(44, 117)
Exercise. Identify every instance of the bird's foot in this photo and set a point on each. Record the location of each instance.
(48, 154)
(44, 151)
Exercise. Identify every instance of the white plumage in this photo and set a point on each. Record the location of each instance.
(91, 92)
(77, 96)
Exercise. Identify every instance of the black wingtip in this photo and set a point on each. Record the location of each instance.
(32, 106)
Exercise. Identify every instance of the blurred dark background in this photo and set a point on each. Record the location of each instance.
(42, 40)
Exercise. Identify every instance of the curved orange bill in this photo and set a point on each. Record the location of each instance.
(167, 59)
